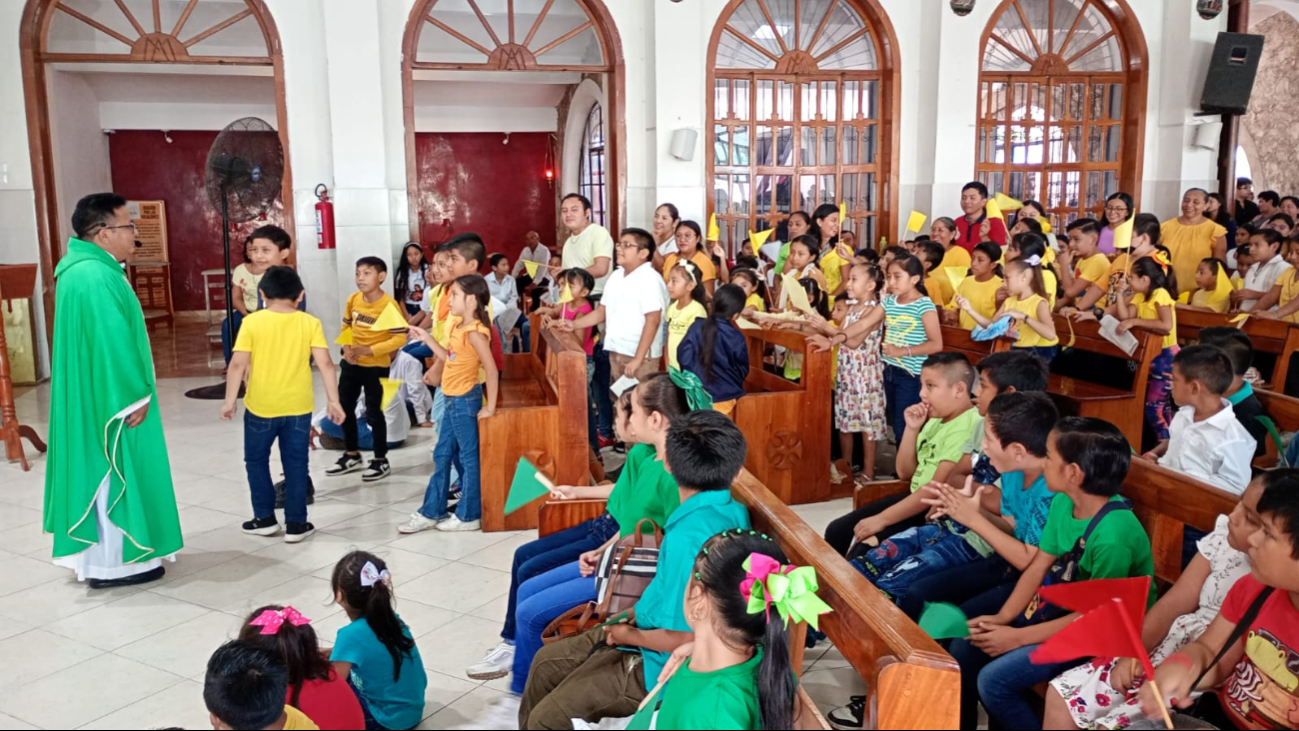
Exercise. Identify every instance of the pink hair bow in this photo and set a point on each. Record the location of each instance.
(272, 619)
(757, 567)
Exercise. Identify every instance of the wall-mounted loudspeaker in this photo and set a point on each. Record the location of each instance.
(1231, 73)
(683, 144)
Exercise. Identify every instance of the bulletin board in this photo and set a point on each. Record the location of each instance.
(150, 219)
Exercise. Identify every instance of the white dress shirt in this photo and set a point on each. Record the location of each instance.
(1261, 277)
(1217, 450)
(539, 254)
(506, 291)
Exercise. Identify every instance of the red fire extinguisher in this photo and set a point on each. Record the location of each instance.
(324, 218)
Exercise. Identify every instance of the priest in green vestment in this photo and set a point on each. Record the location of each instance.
(108, 493)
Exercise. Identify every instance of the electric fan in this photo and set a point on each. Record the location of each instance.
(244, 168)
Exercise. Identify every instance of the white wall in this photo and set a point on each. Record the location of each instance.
(81, 161)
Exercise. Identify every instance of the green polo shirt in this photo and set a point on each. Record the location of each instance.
(644, 490)
(662, 606)
(722, 699)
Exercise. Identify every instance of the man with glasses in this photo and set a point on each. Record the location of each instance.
(108, 493)
(1246, 209)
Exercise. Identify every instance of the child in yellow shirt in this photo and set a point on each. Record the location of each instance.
(979, 289)
(1206, 282)
(686, 288)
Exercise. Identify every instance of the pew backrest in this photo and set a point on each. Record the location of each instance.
(1267, 336)
(1165, 501)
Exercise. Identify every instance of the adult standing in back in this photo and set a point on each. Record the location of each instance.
(975, 227)
(536, 252)
(1192, 237)
(590, 247)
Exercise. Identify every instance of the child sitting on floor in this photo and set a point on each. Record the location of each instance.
(1205, 441)
(244, 689)
(936, 428)
(596, 675)
(1090, 533)
(376, 652)
(314, 687)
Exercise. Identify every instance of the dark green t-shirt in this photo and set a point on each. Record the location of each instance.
(722, 699)
(1118, 549)
(644, 490)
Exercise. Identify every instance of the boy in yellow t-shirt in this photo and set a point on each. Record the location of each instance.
(275, 348)
(980, 289)
(1082, 264)
(365, 364)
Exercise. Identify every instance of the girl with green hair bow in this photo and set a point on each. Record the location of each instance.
(737, 672)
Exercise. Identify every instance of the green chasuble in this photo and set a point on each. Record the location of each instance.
(101, 366)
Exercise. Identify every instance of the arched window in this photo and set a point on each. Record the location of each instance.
(1060, 97)
(591, 165)
(802, 106)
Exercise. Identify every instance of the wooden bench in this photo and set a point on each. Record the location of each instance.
(958, 340)
(1284, 412)
(1267, 336)
(541, 414)
(787, 424)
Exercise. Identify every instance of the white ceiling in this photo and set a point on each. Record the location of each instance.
(180, 88)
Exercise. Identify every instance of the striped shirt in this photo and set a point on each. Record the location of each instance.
(904, 326)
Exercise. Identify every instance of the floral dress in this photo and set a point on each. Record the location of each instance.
(1086, 688)
(859, 385)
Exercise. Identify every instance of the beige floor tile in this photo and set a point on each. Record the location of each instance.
(124, 621)
(459, 644)
(442, 691)
(830, 689)
(454, 546)
(54, 600)
(27, 539)
(319, 552)
(12, 724)
(500, 556)
(17, 515)
(21, 572)
(494, 609)
(36, 653)
(84, 692)
(308, 594)
(229, 584)
(179, 706)
(375, 527)
(185, 648)
(481, 708)
(458, 586)
(195, 520)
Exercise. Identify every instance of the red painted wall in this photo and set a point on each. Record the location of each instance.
(146, 167)
(480, 185)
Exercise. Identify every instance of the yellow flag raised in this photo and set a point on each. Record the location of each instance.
(390, 387)
(390, 319)
(714, 232)
(567, 295)
(531, 266)
(843, 215)
(345, 337)
(994, 210)
(1123, 234)
(916, 221)
(758, 238)
(1006, 203)
(956, 275)
(1223, 289)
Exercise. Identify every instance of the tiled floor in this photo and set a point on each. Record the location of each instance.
(134, 658)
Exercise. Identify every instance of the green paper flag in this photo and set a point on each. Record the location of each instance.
(944, 621)
(528, 485)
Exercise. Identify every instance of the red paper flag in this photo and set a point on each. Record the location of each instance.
(1084, 596)
(1106, 631)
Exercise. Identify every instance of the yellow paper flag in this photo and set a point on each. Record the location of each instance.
(1006, 203)
(843, 215)
(1223, 289)
(390, 387)
(956, 275)
(714, 231)
(390, 319)
(916, 221)
(793, 293)
(994, 210)
(1184, 298)
(756, 240)
(566, 296)
(1123, 234)
(1240, 320)
(531, 267)
(345, 337)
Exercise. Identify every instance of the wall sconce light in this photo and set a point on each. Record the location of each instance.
(962, 7)
(1209, 9)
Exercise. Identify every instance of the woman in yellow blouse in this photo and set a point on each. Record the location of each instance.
(1191, 237)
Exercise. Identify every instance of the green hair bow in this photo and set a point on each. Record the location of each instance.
(696, 396)
(791, 589)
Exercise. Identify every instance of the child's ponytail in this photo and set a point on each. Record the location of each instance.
(728, 302)
(363, 580)
(776, 684)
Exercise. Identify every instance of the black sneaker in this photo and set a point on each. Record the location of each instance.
(620, 448)
(849, 716)
(377, 470)
(279, 493)
(262, 526)
(345, 464)
(298, 532)
(453, 496)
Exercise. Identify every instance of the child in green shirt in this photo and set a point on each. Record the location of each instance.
(1091, 530)
(736, 674)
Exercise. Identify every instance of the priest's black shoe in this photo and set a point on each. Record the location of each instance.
(143, 578)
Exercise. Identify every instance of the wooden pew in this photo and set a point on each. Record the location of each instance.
(911, 682)
(540, 415)
(958, 340)
(1124, 409)
(1268, 336)
(1284, 412)
(787, 424)
(1165, 501)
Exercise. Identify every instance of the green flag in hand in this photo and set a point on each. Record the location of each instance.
(944, 621)
(528, 485)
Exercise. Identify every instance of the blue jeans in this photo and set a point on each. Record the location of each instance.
(906, 557)
(1001, 684)
(541, 600)
(418, 350)
(959, 584)
(902, 390)
(435, 416)
(364, 437)
(524, 342)
(294, 434)
(227, 337)
(537, 557)
(457, 438)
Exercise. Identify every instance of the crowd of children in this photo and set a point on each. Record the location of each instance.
(1006, 495)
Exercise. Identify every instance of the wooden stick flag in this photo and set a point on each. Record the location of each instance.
(956, 275)
(390, 319)
(994, 211)
(916, 221)
(1223, 289)
(566, 296)
(758, 238)
(1006, 203)
(528, 485)
(843, 215)
(1123, 234)
(531, 267)
(714, 231)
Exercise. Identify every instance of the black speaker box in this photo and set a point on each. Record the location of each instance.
(1231, 73)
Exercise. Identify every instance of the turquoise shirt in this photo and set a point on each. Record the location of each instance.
(662, 606)
(393, 703)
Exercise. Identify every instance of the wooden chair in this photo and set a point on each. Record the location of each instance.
(787, 424)
(540, 415)
(1268, 336)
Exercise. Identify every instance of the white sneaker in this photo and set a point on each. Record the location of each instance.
(456, 525)
(418, 523)
(496, 664)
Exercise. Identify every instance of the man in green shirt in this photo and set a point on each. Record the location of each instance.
(605, 672)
